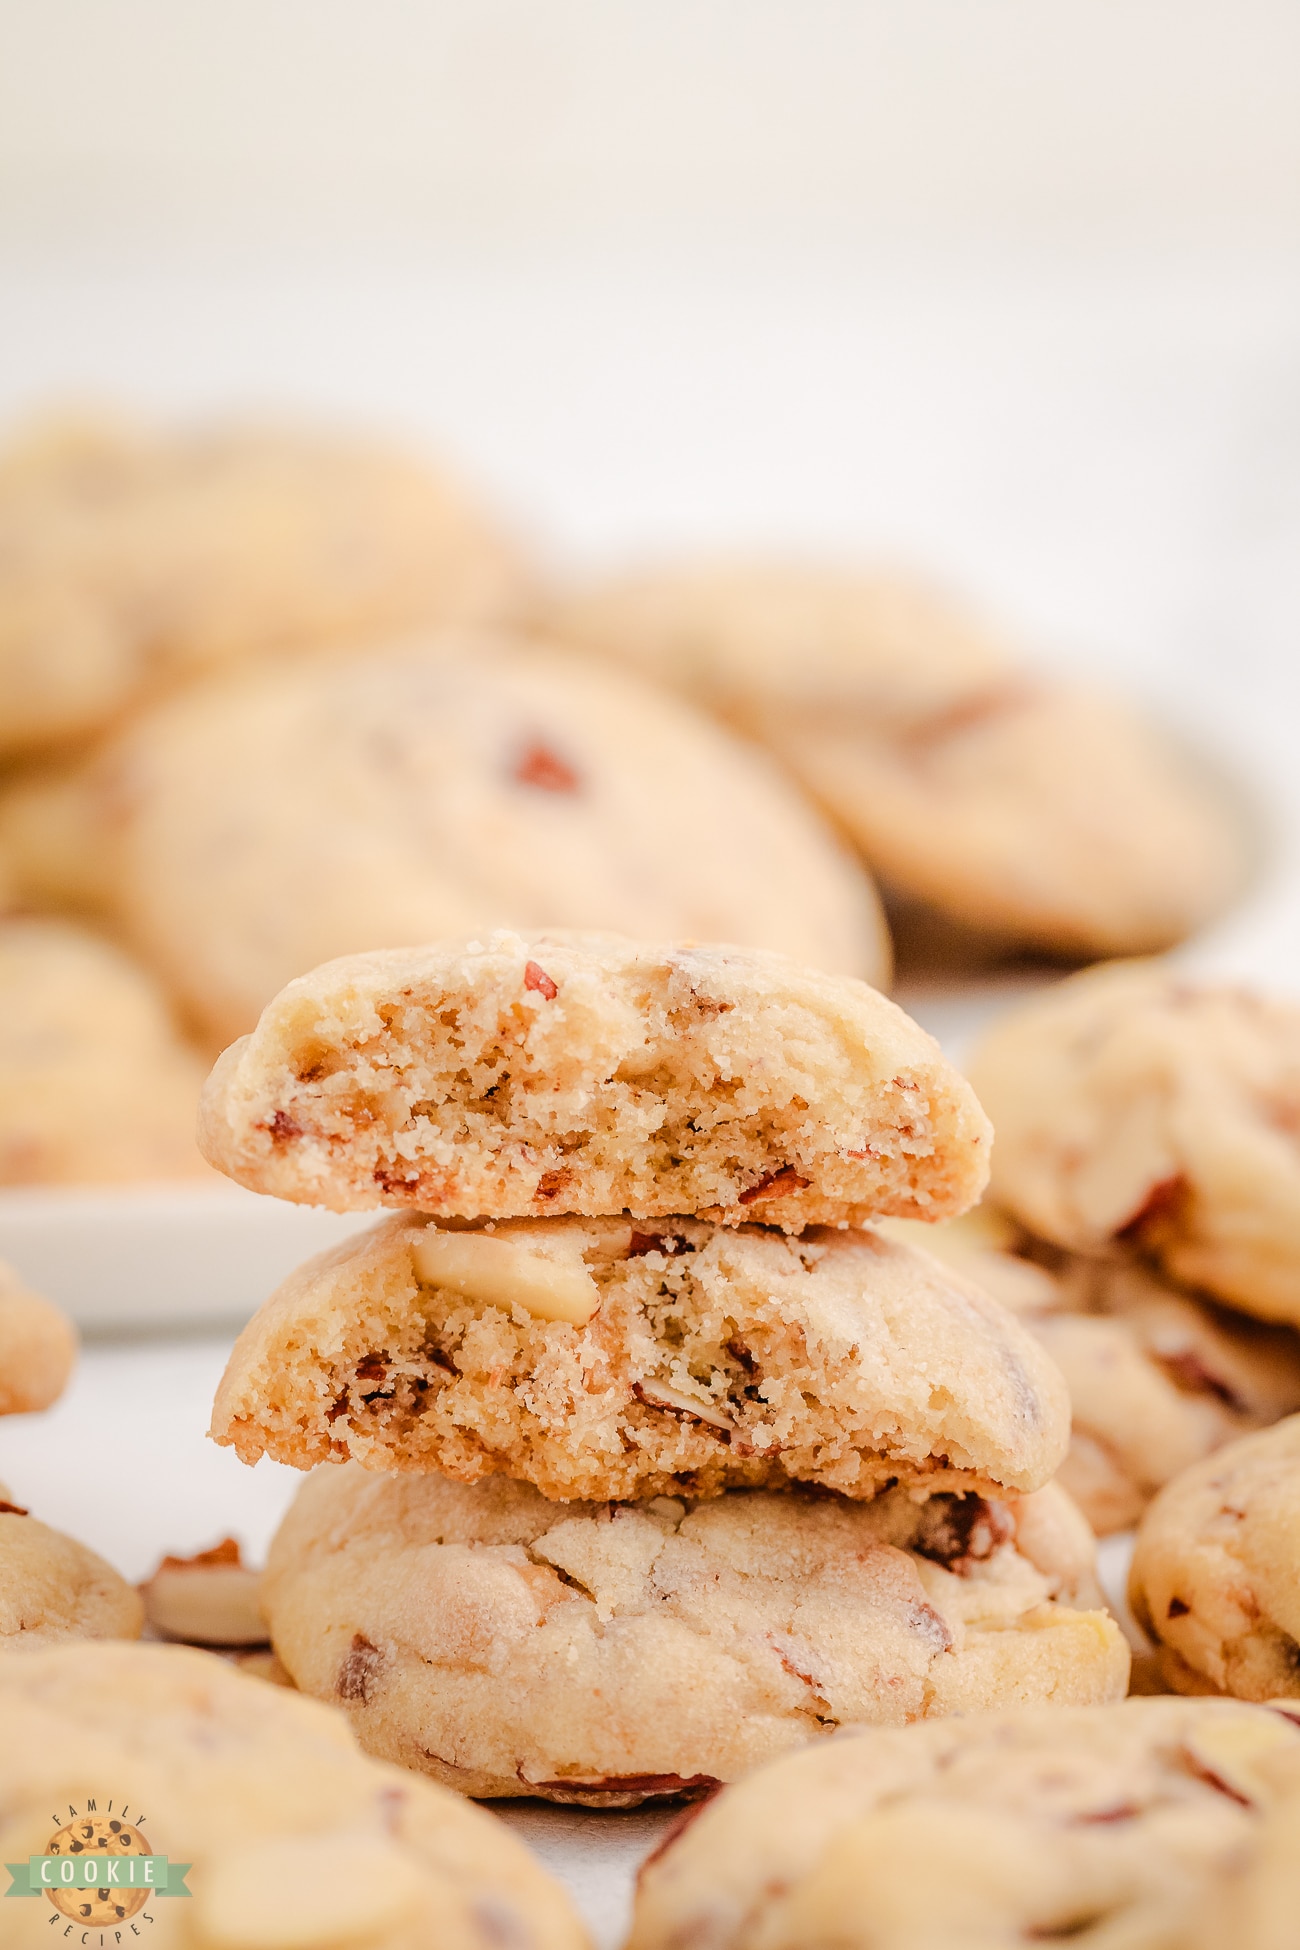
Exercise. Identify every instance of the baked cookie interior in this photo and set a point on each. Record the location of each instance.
(595, 1357)
(566, 1072)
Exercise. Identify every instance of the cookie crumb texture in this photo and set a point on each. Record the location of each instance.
(714, 1356)
(610, 1653)
(297, 1841)
(1106, 1825)
(1215, 1579)
(566, 1072)
(1133, 1104)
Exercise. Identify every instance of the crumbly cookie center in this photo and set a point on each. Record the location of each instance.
(660, 1358)
(449, 1099)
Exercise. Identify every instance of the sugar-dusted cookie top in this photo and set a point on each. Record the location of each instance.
(1011, 802)
(291, 1836)
(610, 1653)
(607, 1357)
(252, 827)
(525, 1075)
(52, 1587)
(1133, 1102)
(131, 558)
(1216, 1570)
(1099, 1824)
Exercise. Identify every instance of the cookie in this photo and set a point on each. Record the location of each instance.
(52, 1587)
(1157, 1376)
(594, 1359)
(291, 1837)
(1105, 1825)
(1157, 1379)
(248, 829)
(38, 1347)
(609, 1653)
(984, 1245)
(533, 1074)
(1014, 804)
(132, 559)
(1254, 1905)
(1133, 1104)
(96, 1084)
(1216, 1570)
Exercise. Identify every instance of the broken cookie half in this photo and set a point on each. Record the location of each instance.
(598, 1358)
(583, 1073)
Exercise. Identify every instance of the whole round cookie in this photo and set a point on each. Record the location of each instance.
(1015, 804)
(38, 1347)
(252, 827)
(595, 1359)
(129, 559)
(558, 1072)
(96, 1084)
(1157, 1376)
(52, 1587)
(289, 1836)
(608, 1653)
(1103, 1825)
(1131, 1103)
(1215, 1578)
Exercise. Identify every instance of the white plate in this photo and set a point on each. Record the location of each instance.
(164, 1255)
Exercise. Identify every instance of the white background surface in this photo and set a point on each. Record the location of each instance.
(1006, 287)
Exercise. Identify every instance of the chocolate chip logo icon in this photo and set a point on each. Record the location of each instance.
(107, 1903)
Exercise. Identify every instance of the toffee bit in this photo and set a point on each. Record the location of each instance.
(540, 766)
(537, 979)
(775, 1185)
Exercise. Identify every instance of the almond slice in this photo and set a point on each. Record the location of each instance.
(660, 1394)
(211, 1599)
(1235, 1755)
(302, 1892)
(488, 1266)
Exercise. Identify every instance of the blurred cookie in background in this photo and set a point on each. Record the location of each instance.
(130, 558)
(96, 1084)
(1135, 1104)
(288, 1835)
(38, 1347)
(1104, 1825)
(255, 826)
(1016, 805)
(1158, 1376)
(53, 1588)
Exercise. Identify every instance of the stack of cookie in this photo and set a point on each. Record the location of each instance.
(657, 1460)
